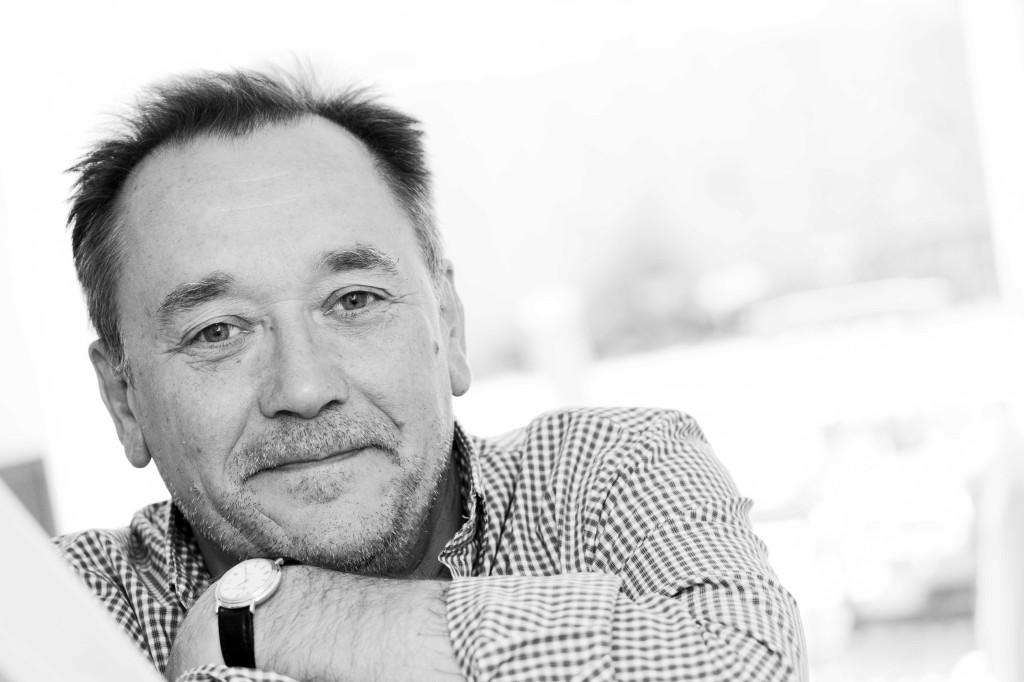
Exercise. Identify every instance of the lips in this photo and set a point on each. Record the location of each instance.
(307, 462)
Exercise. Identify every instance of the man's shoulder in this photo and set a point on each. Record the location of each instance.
(584, 463)
(106, 551)
(592, 425)
(595, 437)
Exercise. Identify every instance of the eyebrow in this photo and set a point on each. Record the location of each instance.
(191, 295)
(359, 257)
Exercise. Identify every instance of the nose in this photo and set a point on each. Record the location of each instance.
(302, 374)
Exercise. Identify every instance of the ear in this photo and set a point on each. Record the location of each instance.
(118, 395)
(451, 313)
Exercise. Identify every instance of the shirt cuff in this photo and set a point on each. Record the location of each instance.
(222, 673)
(527, 627)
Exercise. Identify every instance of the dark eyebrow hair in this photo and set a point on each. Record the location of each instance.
(192, 294)
(359, 257)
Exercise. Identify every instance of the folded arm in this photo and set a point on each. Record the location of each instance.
(645, 566)
(324, 625)
(651, 622)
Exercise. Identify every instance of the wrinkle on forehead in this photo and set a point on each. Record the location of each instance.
(208, 201)
(283, 201)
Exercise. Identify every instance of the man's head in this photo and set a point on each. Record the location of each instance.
(278, 328)
(230, 104)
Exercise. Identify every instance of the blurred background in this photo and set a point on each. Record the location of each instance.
(800, 221)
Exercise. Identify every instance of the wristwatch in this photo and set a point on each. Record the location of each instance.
(239, 591)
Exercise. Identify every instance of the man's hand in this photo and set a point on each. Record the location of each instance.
(325, 625)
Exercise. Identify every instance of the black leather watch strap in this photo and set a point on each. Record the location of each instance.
(237, 643)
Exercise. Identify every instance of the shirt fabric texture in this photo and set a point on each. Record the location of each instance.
(599, 544)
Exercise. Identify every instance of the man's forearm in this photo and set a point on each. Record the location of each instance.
(329, 626)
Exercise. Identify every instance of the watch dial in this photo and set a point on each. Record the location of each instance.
(246, 580)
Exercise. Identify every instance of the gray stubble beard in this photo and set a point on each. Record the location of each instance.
(382, 549)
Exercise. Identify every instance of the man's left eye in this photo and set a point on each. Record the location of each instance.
(354, 300)
(217, 332)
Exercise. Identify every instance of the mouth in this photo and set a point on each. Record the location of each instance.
(317, 478)
(307, 462)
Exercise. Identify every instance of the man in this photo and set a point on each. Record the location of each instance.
(280, 333)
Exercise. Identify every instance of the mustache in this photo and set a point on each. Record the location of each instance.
(294, 439)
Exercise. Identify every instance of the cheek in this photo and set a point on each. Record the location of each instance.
(191, 426)
(405, 364)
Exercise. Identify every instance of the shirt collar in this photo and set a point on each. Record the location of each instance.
(462, 553)
(188, 573)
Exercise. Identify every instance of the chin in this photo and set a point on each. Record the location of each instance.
(380, 537)
(384, 548)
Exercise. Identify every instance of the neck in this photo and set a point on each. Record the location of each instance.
(217, 560)
(443, 522)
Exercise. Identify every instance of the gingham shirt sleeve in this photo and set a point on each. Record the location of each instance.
(641, 565)
(128, 571)
(222, 673)
(99, 558)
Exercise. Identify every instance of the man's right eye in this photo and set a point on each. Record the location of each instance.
(216, 333)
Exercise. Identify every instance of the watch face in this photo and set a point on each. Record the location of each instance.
(251, 581)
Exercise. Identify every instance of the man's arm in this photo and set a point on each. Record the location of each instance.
(662, 577)
(697, 601)
(324, 625)
(101, 561)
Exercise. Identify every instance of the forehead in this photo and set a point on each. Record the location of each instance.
(216, 203)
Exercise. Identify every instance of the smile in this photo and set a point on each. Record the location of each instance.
(314, 462)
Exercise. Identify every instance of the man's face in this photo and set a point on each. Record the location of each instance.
(293, 363)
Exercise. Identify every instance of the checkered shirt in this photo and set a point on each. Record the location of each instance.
(601, 544)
